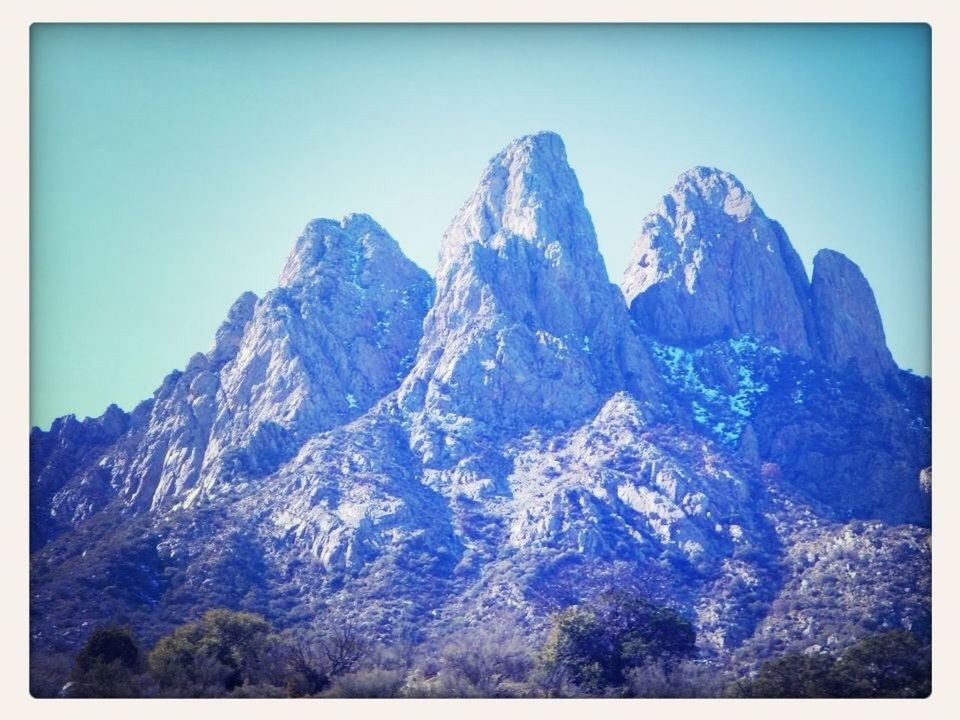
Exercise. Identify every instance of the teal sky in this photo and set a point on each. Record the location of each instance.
(172, 167)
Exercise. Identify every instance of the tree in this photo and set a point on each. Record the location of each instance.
(344, 648)
(107, 665)
(592, 646)
(791, 676)
(579, 651)
(645, 633)
(885, 665)
(216, 654)
(304, 673)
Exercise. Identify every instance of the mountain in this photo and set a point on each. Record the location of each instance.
(339, 332)
(709, 265)
(720, 434)
(774, 364)
(526, 329)
(849, 328)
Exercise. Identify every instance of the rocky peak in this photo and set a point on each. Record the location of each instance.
(336, 335)
(526, 328)
(848, 320)
(708, 265)
(339, 332)
(343, 249)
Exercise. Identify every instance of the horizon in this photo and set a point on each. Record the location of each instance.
(94, 332)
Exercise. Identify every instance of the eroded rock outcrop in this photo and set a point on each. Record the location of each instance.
(337, 334)
(849, 327)
(709, 265)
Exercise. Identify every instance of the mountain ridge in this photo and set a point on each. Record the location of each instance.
(370, 443)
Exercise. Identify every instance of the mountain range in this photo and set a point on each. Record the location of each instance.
(410, 453)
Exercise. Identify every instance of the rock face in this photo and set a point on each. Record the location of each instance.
(526, 328)
(339, 332)
(709, 265)
(848, 322)
(727, 445)
(62, 461)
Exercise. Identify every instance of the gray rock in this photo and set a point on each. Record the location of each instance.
(526, 328)
(926, 480)
(848, 321)
(708, 265)
(338, 334)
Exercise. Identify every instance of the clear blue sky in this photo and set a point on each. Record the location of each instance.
(172, 167)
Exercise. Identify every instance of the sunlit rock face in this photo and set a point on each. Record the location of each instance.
(338, 333)
(710, 265)
(526, 328)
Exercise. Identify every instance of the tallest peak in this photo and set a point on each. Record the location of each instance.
(528, 190)
(525, 316)
(539, 154)
(545, 142)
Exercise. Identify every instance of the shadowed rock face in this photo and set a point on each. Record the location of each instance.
(848, 320)
(709, 265)
(526, 328)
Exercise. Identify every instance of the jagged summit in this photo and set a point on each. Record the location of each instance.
(526, 327)
(338, 333)
(334, 337)
(527, 191)
(344, 247)
(716, 187)
(708, 264)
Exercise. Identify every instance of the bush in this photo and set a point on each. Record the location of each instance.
(591, 647)
(372, 683)
(485, 664)
(218, 653)
(791, 676)
(108, 665)
(685, 680)
(886, 665)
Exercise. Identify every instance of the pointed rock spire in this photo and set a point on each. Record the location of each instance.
(708, 265)
(848, 321)
(526, 328)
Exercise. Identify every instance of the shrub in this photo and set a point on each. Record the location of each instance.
(372, 683)
(108, 665)
(485, 664)
(218, 653)
(885, 665)
(684, 680)
(591, 647)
